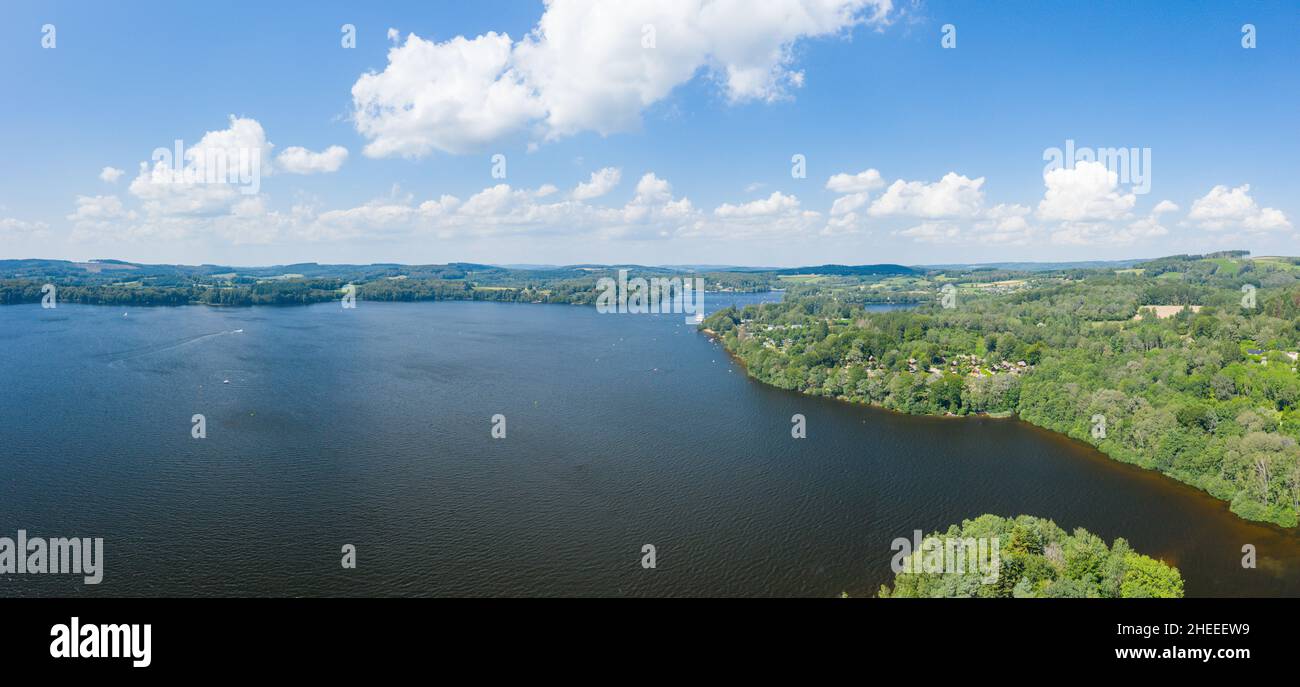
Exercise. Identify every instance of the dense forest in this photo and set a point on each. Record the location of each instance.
(112, 282)
(1203, 388)
(1036, 558)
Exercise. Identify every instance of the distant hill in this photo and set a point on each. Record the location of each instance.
(1037, 266)
(842, 270)
(34, 268)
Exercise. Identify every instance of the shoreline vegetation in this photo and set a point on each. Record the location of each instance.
(1185, 365)
(114, 282)
(1208, 395)
(1026, 557)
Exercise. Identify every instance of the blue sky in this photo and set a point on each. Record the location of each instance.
(941, 150)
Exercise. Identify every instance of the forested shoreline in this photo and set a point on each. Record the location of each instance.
(1205, 392)
(118, 283)
(1185, 365)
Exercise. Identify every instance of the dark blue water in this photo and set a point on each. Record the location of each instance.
(372, 427)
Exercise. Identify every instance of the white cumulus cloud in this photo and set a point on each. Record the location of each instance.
(206, 181)
(775, 204)
(588, 66)
(1088, 192)
(952, 196)
(602, 181)
(1224, 208)
(866, 180)
(299, 160)
(454, 96)
(14, 228)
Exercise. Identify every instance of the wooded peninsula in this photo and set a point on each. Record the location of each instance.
(1185, 364)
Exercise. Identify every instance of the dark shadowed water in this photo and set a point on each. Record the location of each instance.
(372, 427)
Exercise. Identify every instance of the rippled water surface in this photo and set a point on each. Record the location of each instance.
(372, 427)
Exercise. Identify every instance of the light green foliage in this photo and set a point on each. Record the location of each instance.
(1039, 559)
(1149, 578)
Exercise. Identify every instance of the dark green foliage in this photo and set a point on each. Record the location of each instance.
(1181, 395)
(111, 282)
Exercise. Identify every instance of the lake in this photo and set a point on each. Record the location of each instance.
(372, 427)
